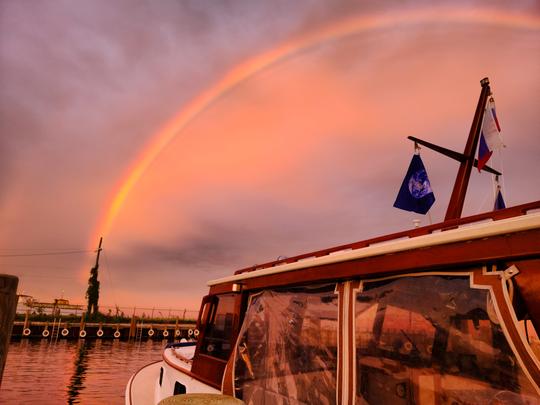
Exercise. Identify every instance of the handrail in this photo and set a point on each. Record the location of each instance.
(510, 212)
(181, 344)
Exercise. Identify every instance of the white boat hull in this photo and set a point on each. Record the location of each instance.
(141, 387)
(146, 387)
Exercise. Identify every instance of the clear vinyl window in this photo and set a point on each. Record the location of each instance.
(433, 340)
(287, 347)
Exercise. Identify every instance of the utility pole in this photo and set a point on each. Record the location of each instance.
(92, 293)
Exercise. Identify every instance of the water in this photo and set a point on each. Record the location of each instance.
(73, 372)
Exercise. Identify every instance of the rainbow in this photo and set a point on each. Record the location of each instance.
(250, 67)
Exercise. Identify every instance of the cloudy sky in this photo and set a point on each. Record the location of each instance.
(199, 137)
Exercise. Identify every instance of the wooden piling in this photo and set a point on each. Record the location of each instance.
(8, 306)
(132, 326)
(26, 324)
(83, 323)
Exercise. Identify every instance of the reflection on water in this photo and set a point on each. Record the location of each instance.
(73, 372)
(79, 371)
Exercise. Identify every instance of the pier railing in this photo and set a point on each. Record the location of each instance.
(110, 314)
(111, 322)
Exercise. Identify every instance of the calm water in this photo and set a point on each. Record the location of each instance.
(72, 372)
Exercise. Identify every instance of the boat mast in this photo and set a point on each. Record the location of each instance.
(455, 206)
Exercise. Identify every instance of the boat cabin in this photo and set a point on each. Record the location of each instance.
(442, 314)
(439, 314)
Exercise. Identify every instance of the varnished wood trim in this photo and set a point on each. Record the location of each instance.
(476, 252)
(496, 284)
(355, 290)
(345, 343)
(340, 352)
(412, 233)
(192, 375)
(227, 383)
(346, 358)
(528, 281)
(466, 234)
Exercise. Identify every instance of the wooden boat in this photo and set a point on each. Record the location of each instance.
(442, 314)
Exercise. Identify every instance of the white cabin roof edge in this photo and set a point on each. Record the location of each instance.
(465, 232)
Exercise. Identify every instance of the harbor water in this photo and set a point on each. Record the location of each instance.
(91, 371)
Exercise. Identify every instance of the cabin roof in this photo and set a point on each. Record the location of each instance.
(454, 231)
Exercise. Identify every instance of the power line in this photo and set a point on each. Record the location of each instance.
(70, 252)
(37, 266)
(47, 276)
(28, 249)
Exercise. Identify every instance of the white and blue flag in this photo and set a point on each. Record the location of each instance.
(415, 193)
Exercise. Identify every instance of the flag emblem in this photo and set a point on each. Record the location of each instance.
(415, 193)
(419, 184)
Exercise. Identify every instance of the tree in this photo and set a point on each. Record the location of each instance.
(92, 293)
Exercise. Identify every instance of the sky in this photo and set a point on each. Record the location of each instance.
(201, 137)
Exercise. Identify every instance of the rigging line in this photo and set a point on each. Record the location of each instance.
(483, 204)
(502, 178)
(494, 187)
(107, 267)
(47, 254)
(498, 181)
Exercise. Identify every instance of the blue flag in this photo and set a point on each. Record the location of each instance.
(499, 201)
(415, 193)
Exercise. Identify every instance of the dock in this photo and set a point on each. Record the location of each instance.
(136, 330)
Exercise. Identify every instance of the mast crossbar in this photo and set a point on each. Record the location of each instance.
(460, 157)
